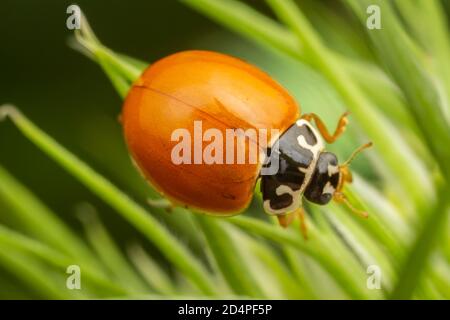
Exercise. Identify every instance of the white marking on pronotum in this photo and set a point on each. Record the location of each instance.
(315, 150)
(332, 169)
(302, 141)
(328, 188)
(296, 195)
(283, 189)
(304, 144)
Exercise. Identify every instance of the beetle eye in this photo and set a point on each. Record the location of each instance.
(325, 197)
(324, 181)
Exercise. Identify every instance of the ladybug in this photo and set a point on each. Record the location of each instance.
(223, 92)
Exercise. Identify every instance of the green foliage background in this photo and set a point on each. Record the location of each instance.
(88, 206)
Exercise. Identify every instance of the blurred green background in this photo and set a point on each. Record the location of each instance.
(72, 100)
(48, 80)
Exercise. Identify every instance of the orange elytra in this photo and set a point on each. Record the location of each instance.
(222, 92)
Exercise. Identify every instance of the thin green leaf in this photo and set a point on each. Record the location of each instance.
(346, 274)
(237, 274)
(169, 246)
(29, 246)
(155, 275)
(396, 51)
(415, 263)
(35, 276)
(32, 213)
(108, 251)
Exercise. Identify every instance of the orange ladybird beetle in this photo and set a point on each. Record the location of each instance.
(223, 93)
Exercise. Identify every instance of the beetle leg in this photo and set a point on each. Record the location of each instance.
(162, 203)
(340, 128)
(303, 226)
(285, 219)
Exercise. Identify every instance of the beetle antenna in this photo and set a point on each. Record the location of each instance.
(356, 152)
(345, 174)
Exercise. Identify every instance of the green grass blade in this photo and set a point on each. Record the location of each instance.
(227, 257)
(32, 247)
(273, 273)
(385, 224)
(243, 19)
(33, 274)
(301, 273)
(433, 33)
(33, 213)
(156, 276)
(108, 252)
(396, 51)
(118, 80)
(140, 218)
(345, 273)
(415, 263)
(121, 70)
(364, 247)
